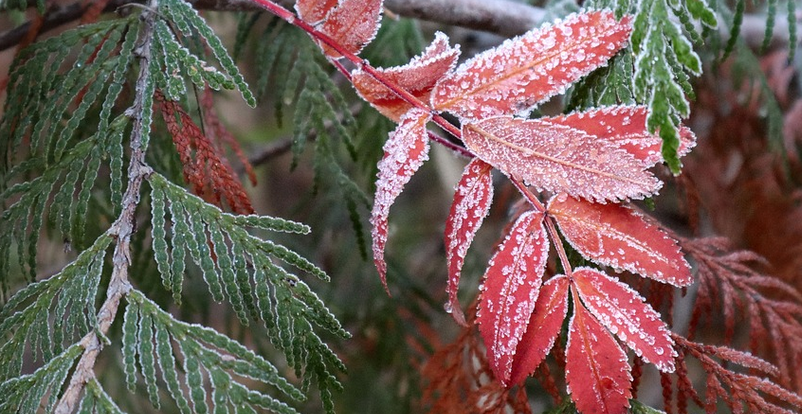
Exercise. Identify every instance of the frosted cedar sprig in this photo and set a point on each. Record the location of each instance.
(586, 159)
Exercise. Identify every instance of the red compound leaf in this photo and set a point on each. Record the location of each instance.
(625, 128)
(527, 70)
(559, 159)
(544, 327)
(405, 151)
(472, 200)
(417, 77)
(626, 314)
(596, 368)
(352, 24)
(617, 236)
(510, 289)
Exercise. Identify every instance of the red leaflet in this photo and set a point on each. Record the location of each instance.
(472, 200)
(624, 312)
(617, 236)
(405, 151)
(417, 77)
(314, 11)
(544, 326)
(527, 70)
(596, 368)
(353, 24)
(559, 159)
(625, 127)
(510, 290)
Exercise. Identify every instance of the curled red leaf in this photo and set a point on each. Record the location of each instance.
(596, 368)
(625, 127)
(472, 199)
(558, 158)
(417, 77)
(510, 289)
(405, 151)
(543, 329)
(617, 236)
(627, 315)
(527, 70)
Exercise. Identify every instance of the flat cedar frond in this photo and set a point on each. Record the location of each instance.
(205, 166)
(728, 281)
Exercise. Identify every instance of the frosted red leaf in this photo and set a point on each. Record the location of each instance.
(528, 69)
(597, 372)
(510, 289)
(544, 327)
(627, 315)
(405, 151)
(352, 24)
(618, 236)
(472, 199)
(314, 11)
(417, 77)
(625, 127)
(559, 159)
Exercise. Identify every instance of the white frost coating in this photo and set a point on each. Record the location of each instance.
(353, 24)
(524, 71)
(627, 315)
(404, 152)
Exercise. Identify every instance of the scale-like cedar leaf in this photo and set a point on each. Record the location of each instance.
(314, 11)
(527, 70)
(625, 127)
(596, 368)
(418, 77)
(617, 236)
(353, 24)
(626, 314)
(405, 151)
(560, 159)
(510, 289)
(472, 200)
(544, 327)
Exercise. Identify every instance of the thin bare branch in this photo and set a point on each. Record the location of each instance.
(122, 229)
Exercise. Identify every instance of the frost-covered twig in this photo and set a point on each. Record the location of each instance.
(122, 229)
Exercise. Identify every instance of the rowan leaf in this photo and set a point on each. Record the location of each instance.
(544, 327)
(405, 151)
(559, 159)
(627, 315)
(510, 289)
(418, 77)
(472, 199)
(617, 236)
(352, 24)
(526, 70)
(597, 372)
(314, 11)
(625, 128)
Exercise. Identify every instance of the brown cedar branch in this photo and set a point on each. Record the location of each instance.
(122, 229)
(504, 17)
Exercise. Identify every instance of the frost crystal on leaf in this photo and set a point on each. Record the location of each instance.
(544, 327)
(353, 24)
(417, 77)
(472, 200)
(617, 236)
(626, 314)
(527, 70)
(560, 159)
(625, 128)
(510, 289)
(314, 11)
(596, 368)
(405, 151)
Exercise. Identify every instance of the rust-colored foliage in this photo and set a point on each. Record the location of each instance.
(206, 168)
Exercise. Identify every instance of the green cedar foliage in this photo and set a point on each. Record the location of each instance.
(68, 122)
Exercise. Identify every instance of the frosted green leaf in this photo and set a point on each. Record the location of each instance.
(129, 343)
(146, 357)
(167, 365)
